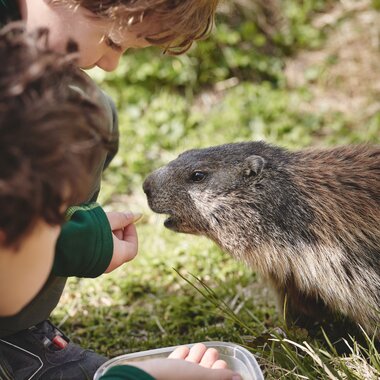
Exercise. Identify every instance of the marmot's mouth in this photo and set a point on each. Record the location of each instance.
(175, 224)
(172, 223)
(169, 222)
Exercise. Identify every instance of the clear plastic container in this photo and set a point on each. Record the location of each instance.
(238, 359)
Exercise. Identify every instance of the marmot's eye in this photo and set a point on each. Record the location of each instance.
(198, 176)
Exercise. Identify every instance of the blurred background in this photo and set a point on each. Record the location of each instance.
(295, 73)
(291, 72)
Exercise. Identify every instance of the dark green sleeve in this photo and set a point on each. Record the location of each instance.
(126, 372)
(85, 246)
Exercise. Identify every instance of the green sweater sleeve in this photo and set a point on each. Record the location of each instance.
(85, 246)
(126, 372)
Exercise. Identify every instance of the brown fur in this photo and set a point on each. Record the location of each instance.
(308, 221)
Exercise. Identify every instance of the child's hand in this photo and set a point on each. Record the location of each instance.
(125, 242)
(200, 354)
(197, 363)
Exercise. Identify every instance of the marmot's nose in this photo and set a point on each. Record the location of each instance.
(147, 187)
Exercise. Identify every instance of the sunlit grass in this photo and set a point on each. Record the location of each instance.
(182, 289)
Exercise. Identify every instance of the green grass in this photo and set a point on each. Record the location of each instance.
(180, 288)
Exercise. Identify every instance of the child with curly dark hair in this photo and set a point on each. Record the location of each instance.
(92, 242)
(51, 132)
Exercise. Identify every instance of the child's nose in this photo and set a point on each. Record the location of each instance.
(109, 62)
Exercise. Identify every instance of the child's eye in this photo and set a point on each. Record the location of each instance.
(113, 45)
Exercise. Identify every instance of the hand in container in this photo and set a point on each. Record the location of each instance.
(197, 363)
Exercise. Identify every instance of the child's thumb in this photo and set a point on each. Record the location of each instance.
(119, 220)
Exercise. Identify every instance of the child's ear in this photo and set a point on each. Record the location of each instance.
(253, 166)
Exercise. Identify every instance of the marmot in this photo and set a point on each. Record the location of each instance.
(308, 221)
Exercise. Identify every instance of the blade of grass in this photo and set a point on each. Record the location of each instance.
(211, 296)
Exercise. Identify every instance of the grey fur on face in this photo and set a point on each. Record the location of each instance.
(308, 221)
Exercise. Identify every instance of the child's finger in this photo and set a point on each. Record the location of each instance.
(219, 364)
(209, 358)
(137, 217)
(196, 353)
(118, 220)
(179, 353)
(123, 251)
(130, 234)
(118, 234)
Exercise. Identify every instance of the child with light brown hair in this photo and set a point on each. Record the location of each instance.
(91, 242)
(104, 30)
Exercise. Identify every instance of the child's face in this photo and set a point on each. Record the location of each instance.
(101, 43)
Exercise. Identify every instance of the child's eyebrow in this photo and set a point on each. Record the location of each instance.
(110, 41)
(112, 44)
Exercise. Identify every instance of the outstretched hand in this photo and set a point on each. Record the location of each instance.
(124, 235)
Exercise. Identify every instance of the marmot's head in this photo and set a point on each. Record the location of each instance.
(231, 193)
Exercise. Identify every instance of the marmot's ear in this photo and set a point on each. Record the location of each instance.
(253, 166)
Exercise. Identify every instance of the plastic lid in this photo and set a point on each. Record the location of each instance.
(238, 359)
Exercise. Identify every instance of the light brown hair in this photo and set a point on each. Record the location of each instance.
(180, 22)
(50, 132)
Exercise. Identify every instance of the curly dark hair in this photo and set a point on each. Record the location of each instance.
(51, 131)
